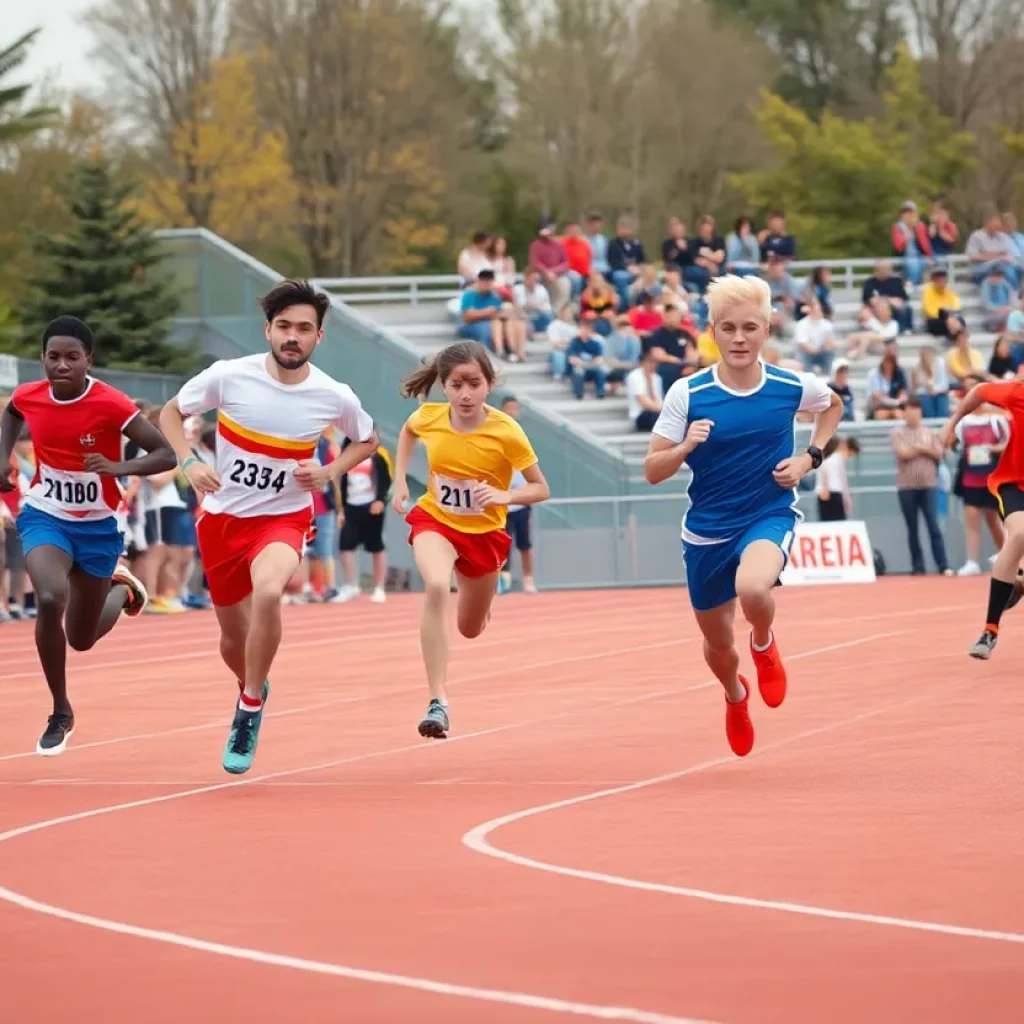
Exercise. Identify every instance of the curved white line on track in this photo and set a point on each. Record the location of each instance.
(523, 999)
(477, 839)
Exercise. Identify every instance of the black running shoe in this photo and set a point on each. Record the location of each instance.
(1018, 590)
(435, 725)
(986, 644)
(59, 729)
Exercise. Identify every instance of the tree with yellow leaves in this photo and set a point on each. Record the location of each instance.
(224, 170)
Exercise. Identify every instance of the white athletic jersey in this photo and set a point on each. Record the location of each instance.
(265, 428)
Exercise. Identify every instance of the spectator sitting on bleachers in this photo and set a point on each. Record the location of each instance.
(886, 284)
(1016, 236)
(963, 361)
(504, 267)
(560, 333)
(675, 249)
(840, 384)
(997, 299)
(774, 240)
(786, 292)
(672, 289)
(474, 258)
(625, 257)
(548, 255)
(532, 301)
(622, 350)
(943, 234)
(910, 243)
(878, 329)
(1015, 332)
(708, 254)
(939, 304)
(742, 251)
(577, 248)
(645, 392)
(586, 360)
(818, 286)
(646, 281)
(929, 382)
(887, 388)
(646, 316)
(815, 340)
(598, 243)
(674, 348)
(488, 320)
(1002, 365)
(991, 246)
(600, 299)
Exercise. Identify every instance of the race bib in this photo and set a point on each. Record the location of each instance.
(71, 492)
(979, 455)
(455, 496)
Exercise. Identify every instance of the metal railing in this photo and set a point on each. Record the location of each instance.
(847, 274)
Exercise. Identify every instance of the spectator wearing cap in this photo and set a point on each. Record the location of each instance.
(625, 257)
(577, 249)
(997, 299)
(929, 383)
(840, 384)
(488, 320)
(910, 242)
(548, 255)
(940, 305)
(598, 243)
(883, 282)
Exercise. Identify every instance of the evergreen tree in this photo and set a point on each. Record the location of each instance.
(105, 268)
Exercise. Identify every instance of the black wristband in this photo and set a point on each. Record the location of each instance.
(816, 456)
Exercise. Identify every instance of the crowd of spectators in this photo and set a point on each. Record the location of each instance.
(611, 316)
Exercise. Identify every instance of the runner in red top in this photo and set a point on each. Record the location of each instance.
(68, 527)
(1006, 483)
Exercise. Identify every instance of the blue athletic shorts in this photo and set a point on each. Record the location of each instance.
(94, 545)
(711, 568)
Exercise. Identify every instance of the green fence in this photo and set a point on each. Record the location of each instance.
(221, 285)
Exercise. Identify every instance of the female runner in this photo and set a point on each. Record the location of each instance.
(459, 523)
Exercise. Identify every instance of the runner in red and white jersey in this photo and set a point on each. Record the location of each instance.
(67, 523)
(257, 505)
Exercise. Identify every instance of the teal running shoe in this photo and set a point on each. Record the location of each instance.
(245, 732)
(435, 725)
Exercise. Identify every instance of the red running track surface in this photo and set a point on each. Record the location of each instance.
(583, 846)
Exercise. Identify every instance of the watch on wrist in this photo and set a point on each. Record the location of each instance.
(816, 456)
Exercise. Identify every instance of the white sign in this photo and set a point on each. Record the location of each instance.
(8, 371)
(830, 553)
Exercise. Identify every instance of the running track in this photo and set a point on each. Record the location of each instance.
(582, 847)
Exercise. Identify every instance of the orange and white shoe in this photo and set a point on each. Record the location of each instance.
(739, 730)
(137, 596)
(771, 673)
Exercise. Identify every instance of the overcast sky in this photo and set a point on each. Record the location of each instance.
(61, 48)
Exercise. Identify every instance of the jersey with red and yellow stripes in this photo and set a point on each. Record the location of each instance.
(265, 428)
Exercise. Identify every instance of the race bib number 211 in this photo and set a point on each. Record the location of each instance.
(456, 496)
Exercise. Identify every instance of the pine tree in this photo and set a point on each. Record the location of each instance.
(105, 268)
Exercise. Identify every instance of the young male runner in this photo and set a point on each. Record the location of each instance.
(733, 426)
(257, 505)
(1006, 482)
(68, 525)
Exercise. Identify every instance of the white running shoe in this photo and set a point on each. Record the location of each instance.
(378, 596)
(347, 593)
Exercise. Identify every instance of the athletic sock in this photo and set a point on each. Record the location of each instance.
(999, 593)
(758, 647)
(246, 703)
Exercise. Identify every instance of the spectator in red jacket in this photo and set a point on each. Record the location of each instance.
(911, 243)
(577, 249)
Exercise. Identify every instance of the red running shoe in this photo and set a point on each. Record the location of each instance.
(739, 730)
(771, 673)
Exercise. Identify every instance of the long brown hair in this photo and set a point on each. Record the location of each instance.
(440, 367)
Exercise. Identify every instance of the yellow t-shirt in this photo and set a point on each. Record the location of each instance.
(932, 301)
(490, 454)
(708, 349)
